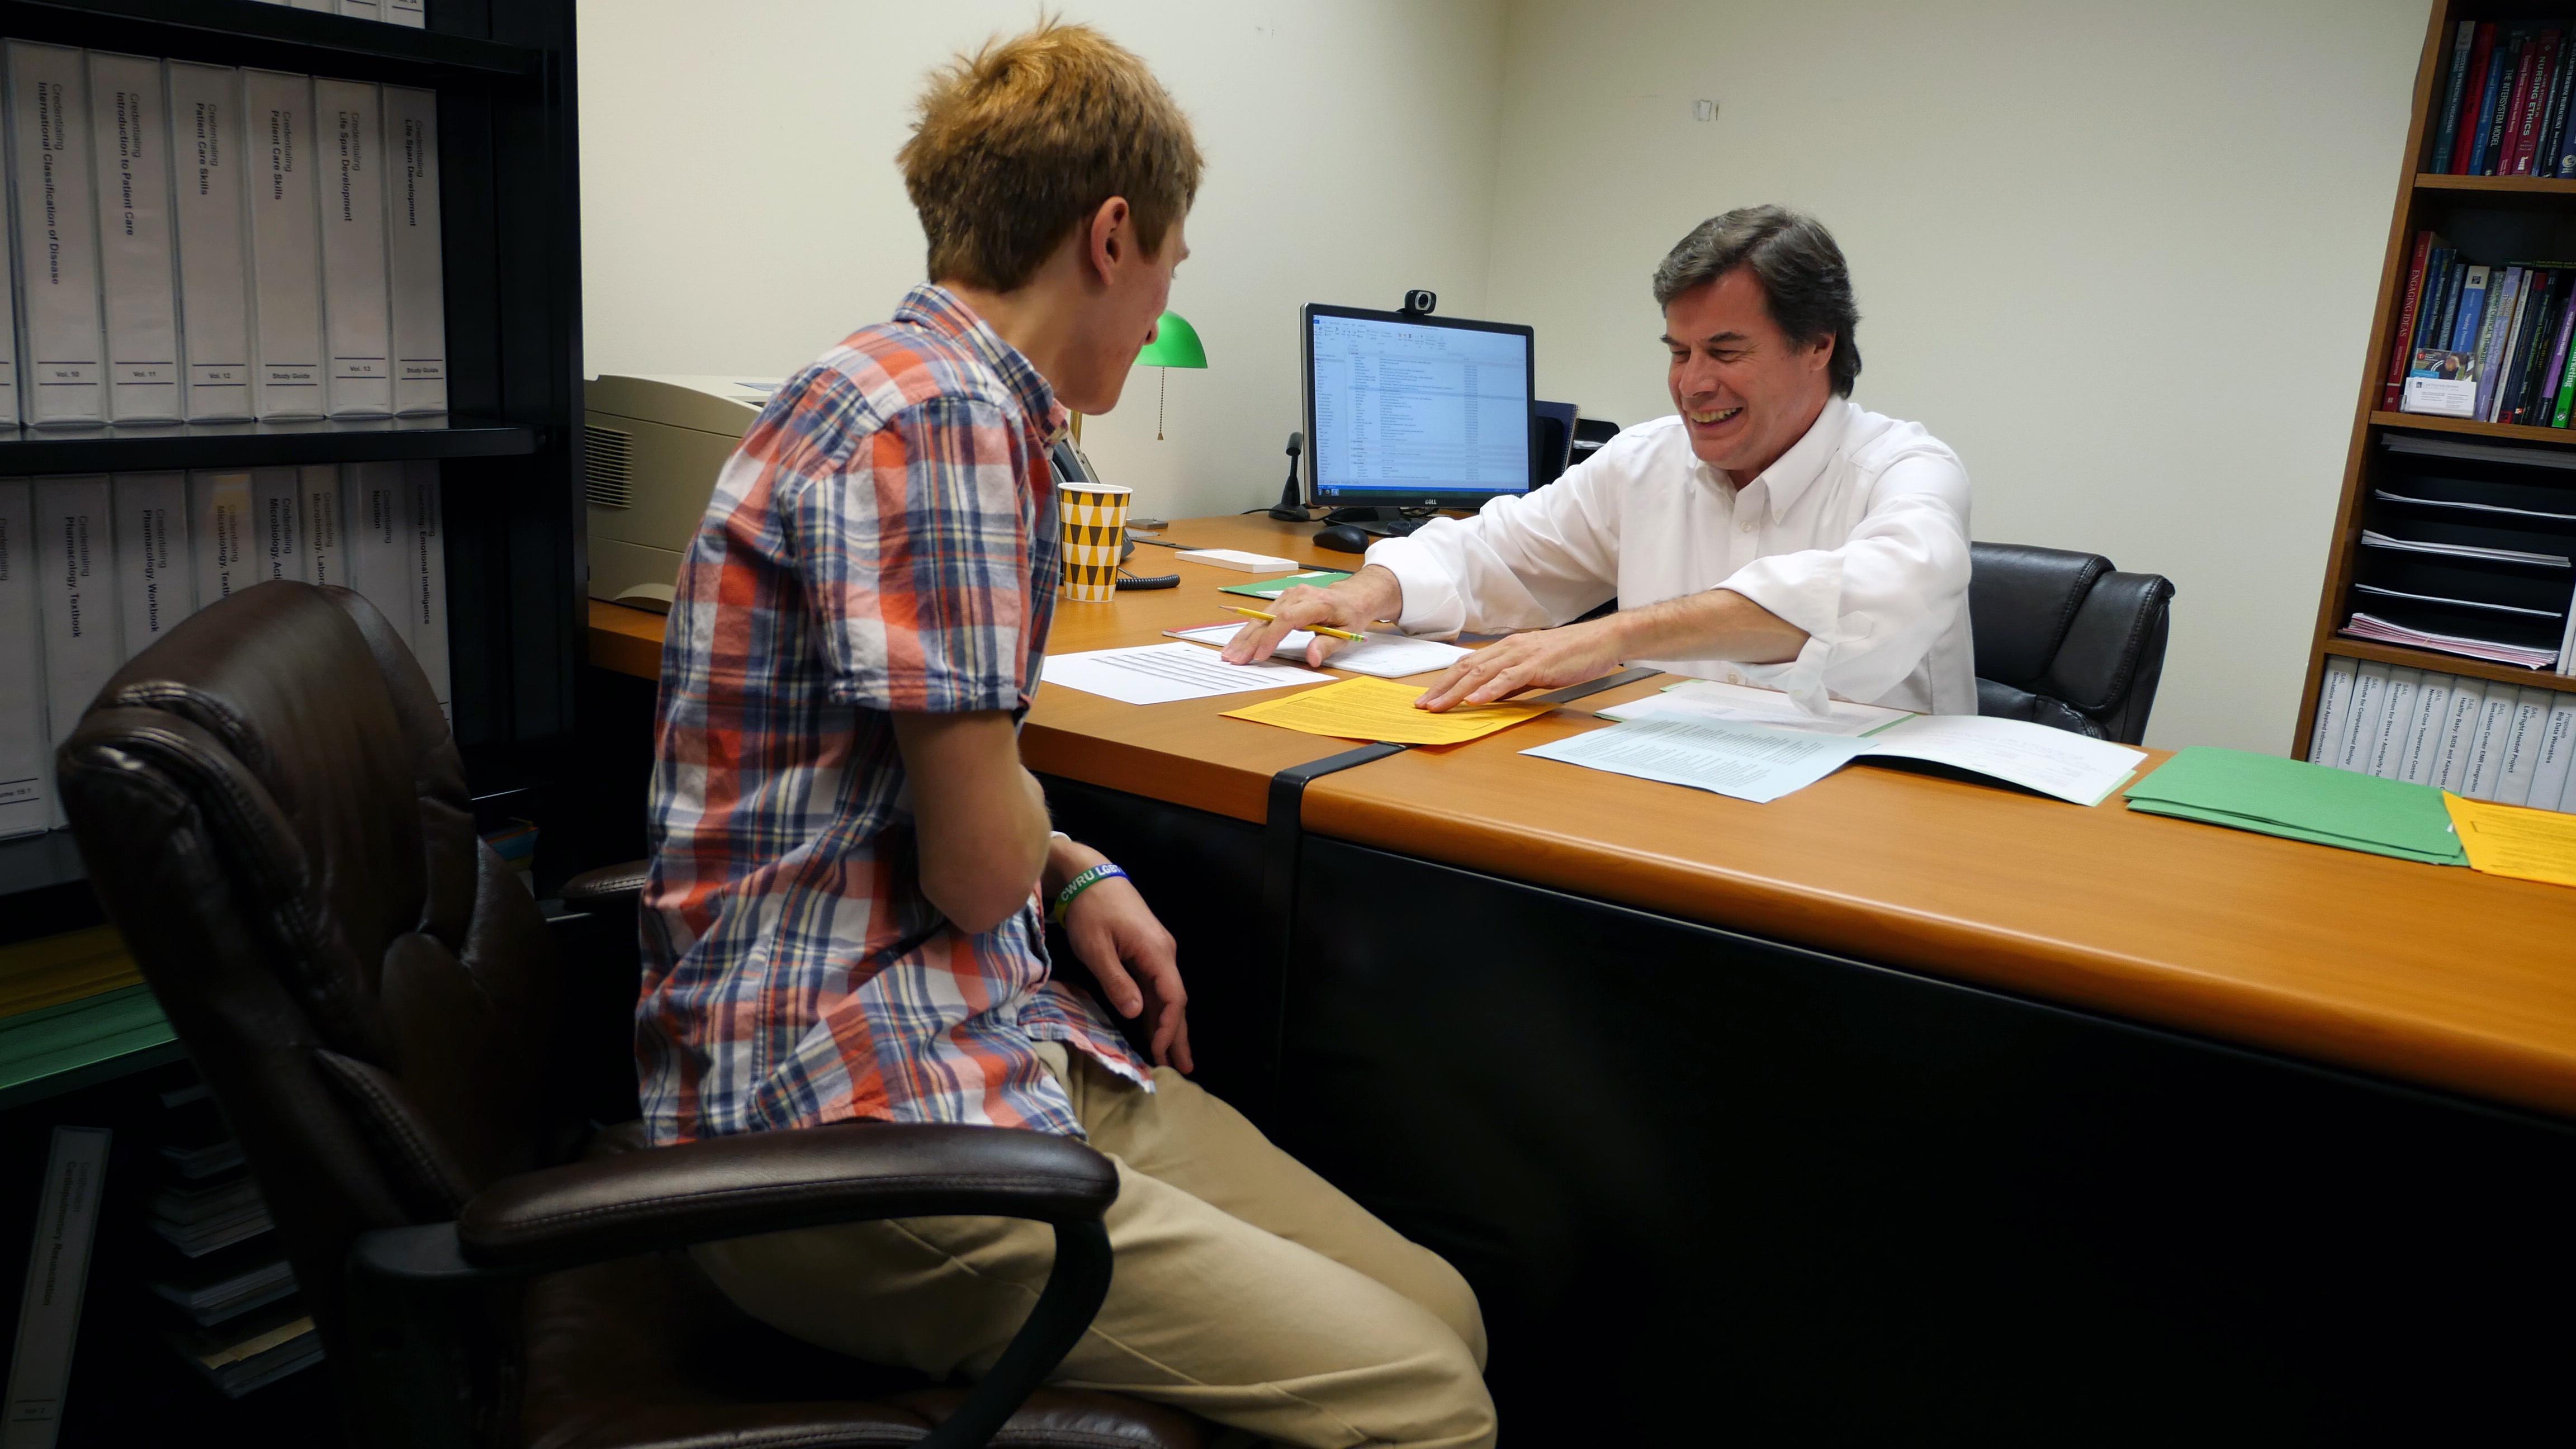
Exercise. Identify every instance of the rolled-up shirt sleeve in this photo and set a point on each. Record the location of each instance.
(1525, 561)
(1875, 605)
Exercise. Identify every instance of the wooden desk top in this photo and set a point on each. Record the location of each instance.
(2423, 973)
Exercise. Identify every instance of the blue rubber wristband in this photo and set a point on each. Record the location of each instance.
(1081, 883)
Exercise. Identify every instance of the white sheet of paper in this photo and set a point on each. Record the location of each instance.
(2070, 766)
(1745, 704)
(1748, 762)
(1388, 656)
(1161, 673)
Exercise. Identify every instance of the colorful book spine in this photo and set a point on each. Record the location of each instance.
(2473, 309)
(2565, 380)
(2553, 116)
(2523, 366)
(2540, 380)
(2538, 62)
(2400, 349)
(2449, 135)
(2464, 148)
(2517, 102)
(2444, 298)
(2491, 114)
(2494, 338)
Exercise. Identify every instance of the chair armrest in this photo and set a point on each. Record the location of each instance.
(766, 1182)
(654, 1199)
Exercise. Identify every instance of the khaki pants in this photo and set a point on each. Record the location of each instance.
(1248, 1290)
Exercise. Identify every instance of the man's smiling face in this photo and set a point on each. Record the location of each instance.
(1746, 395)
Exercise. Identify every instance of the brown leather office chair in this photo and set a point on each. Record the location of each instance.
(276, 820)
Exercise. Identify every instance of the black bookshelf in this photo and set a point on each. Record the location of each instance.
(510, 211)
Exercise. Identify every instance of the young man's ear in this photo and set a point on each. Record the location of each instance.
(1109, 237)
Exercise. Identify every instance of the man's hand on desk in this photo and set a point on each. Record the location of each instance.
(1133, 957)
(1353, 604)
(1716, 623)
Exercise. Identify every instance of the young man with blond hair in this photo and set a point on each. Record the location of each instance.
(842, 920)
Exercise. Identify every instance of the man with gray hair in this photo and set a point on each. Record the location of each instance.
(1772, 532)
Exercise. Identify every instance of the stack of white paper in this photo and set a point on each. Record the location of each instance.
(1387, 656)
(1161, 673)
(1762, 763)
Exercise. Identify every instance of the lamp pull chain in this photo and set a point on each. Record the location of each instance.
(1162, 390)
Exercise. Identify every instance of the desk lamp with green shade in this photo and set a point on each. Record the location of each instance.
(1176, 344)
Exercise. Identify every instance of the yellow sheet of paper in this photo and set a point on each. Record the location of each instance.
(2510, 840)
(1382, 710)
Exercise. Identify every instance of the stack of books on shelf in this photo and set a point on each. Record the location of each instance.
(198, 243)
(232, 1310)
(2504, 101)
(2469, 548)
(95, 567)
(2512, 744)
(2481, 341)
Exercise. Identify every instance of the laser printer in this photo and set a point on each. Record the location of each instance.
(652, 447)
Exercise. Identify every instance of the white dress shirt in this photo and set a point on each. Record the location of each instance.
(1858, 535)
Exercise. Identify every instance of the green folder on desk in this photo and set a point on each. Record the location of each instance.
(2294, 799)
(1273, 588)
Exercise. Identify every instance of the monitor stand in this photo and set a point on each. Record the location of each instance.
(1376, 520)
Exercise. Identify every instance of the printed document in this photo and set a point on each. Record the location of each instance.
(1745, 704)
(1388, 656)
(1161, 673)
(1750, 762)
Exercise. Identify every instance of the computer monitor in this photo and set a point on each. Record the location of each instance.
(1407, 411)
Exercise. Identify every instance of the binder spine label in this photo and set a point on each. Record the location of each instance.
(154, 572)
(26, 800)
(139, 281)
(57, 218)
(414, 259)
(286, 248)
(214, 271)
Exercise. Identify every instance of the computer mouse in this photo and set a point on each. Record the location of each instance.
(1343, 538)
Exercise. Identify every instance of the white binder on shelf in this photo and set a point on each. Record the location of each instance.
(2487, 752)
(326, 533)
(416, 263)
(156, 581)
(26, 778)
(2557, 751)
(138, 276)
(2388, 752)
(49, 1307)
(8, 330)
(376, 522)
(75, 597)
(362, 9)
(210, 165)
(60, 334)
(277, 514)
(2334, 712)
(2424, 738)
(407, 12)
(429, 580)
(285, 247)
(220, 528)
(2369, 707)
(2524, 737)
(2460, 733)
(355, 323)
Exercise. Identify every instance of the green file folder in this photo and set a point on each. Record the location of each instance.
(2292, 798)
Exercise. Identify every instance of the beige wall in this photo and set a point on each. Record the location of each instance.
(741, 210)
(2120, 256)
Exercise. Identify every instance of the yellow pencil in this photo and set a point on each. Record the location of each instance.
(1274, 618)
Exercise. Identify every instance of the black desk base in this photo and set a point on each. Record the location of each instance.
(1709, 1186)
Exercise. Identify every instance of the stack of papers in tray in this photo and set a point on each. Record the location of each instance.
(2371, 626)
(1388, 656)
(2372, 539)
(1761, 763)
(2299, 801)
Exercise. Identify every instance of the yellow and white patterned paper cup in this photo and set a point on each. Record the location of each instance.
(1095, 530)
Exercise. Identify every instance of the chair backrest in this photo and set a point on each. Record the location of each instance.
(272, 811)
(2066, 640)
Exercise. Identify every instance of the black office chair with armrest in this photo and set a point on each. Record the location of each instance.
(2066, 640)
(276, 820)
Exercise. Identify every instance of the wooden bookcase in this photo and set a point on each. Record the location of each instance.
(2495, 217)
(509, 452)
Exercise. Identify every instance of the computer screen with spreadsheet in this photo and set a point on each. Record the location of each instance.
(1415, 411)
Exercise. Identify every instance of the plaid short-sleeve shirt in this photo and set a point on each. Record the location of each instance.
(884, 541)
